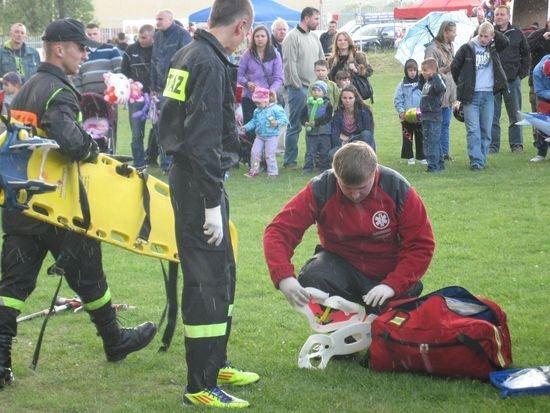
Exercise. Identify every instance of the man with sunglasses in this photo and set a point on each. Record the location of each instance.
(49, 103)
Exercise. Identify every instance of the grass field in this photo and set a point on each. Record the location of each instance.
(492, 238)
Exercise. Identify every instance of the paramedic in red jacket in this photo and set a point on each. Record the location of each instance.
(376, 238)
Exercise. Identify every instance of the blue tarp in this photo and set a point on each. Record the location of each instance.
(265, 12)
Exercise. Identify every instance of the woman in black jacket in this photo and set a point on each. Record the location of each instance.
(352, 121)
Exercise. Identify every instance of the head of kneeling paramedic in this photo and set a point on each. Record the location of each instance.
(376, 240)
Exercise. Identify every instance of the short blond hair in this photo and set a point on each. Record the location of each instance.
(354, 163)
(486, 28)
(504, 6)
(430, 63)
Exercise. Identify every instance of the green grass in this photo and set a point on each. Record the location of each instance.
(492, 238)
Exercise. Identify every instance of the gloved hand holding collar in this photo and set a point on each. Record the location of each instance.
(213, 225)
(378, 295)
(293, 291)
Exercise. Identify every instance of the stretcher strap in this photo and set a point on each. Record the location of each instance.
(84, 203)
(145, 229)
(171, 309)
(34, 362)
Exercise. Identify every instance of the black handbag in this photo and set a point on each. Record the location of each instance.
(363, 86)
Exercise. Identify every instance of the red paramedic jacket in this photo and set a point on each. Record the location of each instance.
(388, 236)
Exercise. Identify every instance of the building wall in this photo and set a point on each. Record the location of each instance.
(109, 13)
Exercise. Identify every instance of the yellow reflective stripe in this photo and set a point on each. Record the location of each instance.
(12, 303)
(397, 320)
(204, 331)
(52, 97)
(230, 310)
(100, 302)
(175, 84)
(499, 348)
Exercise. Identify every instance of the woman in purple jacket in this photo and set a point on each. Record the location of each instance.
(260, 66)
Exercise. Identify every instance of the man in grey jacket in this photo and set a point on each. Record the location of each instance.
(301, 49)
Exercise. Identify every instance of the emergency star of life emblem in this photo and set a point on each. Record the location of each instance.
(380, 219)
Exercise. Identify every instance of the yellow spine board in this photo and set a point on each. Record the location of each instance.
(116, 204)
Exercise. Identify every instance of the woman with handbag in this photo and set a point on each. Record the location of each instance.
(346, 57)
(260, 66)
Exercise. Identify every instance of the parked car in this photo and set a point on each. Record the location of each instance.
(375, 37)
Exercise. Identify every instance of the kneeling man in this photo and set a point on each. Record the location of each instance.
(376, 240)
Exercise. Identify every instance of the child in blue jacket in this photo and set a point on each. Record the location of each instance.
(406, 101)
(267, 121)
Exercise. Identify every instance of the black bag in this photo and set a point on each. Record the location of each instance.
(363, 86)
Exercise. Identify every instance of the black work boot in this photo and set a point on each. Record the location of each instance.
(6, 375)
(119, 342)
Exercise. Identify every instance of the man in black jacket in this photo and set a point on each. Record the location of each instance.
(136, 64)
(197, 128)
(516, 61)
(478, 74)
(327, 38)
(49, 102)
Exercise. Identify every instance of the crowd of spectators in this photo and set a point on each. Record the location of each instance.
(289, 62)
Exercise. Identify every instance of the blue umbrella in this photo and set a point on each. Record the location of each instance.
(423, 32)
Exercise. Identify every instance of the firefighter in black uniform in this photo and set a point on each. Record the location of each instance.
(197, 127)
(49, 102)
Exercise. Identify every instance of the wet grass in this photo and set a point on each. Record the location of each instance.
(492, 238)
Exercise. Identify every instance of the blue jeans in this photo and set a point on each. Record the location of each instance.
(296, 103)
(447, 113)
(478, 117)
(512, 101)
(137, 127)
(432, 145)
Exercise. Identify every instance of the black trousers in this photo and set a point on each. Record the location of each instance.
(332, 274)
(208, 282)
(22, 257)
(410, 132)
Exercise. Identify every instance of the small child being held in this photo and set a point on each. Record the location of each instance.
(342, 79)
(317, 116)
(433, 88)
(321, 72)
(406, 101)
(267, 121)
(11, 83)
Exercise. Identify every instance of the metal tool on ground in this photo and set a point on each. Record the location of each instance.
(65, 304)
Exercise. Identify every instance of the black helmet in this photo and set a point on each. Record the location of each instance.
(458, 112)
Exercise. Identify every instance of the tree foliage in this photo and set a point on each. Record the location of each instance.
(36, 14)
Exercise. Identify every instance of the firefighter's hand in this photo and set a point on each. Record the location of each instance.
(378, 295)
(293, 291)
(93, 152)
(213, 225)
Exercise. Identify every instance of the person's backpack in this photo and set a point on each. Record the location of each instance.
(449, 332)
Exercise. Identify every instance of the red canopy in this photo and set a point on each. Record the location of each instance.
(423, 7)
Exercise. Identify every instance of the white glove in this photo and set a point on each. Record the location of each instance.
(213, 225)
(378, 295)
(294, 292)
